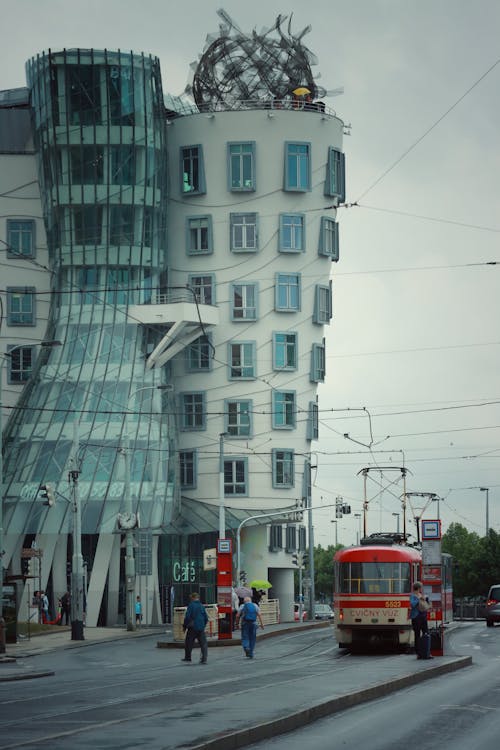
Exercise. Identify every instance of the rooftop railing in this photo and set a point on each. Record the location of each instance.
(177, 107)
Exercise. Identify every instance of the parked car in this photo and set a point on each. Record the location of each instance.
(323, 612)
(492, 611)
(296, 613)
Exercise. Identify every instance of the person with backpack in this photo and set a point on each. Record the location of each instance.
(419, 604)
(248, 615)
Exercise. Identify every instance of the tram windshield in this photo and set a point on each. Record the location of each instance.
(374, 578)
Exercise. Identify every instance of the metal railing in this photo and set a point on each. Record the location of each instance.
(183, 107)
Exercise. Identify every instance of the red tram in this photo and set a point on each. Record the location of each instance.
(373, 583)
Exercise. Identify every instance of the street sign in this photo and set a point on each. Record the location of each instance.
(30, 552)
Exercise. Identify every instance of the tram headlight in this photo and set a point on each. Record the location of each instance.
(341, 615)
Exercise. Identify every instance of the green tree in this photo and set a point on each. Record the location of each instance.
(476, 560)
(323, 571)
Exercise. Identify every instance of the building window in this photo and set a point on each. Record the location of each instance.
(241, 166)
(283, 410)
(283, 468)
(297, 166)
(292, 233)
(21, 306)
(285, 351)
(322, 304)
(275, 537)
(335, 174)
(121, 230)
(188, 469)
(329, 238)
(203, 287)
(87, 225)
(123, 165)
(291, 538)
(20, 361)
(193, 411)
(238, 418)
(242, 360)
(243, 232)
(20, 238)
(199, 235)
(192, 171)
(317, 374)
(244, 301)
(119, 285)
(287, 292)
(198, 355)
(88, 278)
(121, 94)
(84, 94)
(312, 432)
(235, 477)
(87, 164)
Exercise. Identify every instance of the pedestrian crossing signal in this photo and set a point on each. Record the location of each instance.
(48, 494)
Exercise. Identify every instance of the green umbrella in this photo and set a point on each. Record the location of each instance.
(260, 584)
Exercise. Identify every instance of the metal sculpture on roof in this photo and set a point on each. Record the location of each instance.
(236, 67)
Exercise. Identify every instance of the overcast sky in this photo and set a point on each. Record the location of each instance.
(415, 338)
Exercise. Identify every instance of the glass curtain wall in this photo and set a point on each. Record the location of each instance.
(100, 140)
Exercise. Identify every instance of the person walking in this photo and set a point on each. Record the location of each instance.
(418, 614)
(248, 615)
(44, 604)
(65, 608)
(194, 624)
(138, 610)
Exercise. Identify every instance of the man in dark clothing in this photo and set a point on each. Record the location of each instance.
(195, 621)
(65, 608)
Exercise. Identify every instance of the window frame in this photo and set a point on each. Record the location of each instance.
(299, 186)
(233, 225)
(209, 227)
(186, 467)
(322, 314)
(275, 537)
(199, 184)
(329, 238)
(235, 428)
(205, 281)
(234, 188)
(245, 308)
(236, 461)
(286, 346)
(281, 420)
(335, 174)
(199, 350)
(19, 350)
(29, 317)
(196, 419)
(318, 363)
(286, 459)
(243, 347)
(312, 430)
(28, 231)
(280, 284)
(293, 247)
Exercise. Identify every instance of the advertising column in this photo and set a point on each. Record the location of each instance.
(224, 587)
(432, 578)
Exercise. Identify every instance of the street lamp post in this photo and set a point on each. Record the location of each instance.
(336, 532)
(77, 578)
(222, 509)
(4, 356)
(487, 490)
(358, 532)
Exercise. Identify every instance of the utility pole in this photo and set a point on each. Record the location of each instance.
(222, 509)
(308, 506)
(128, 522)
(487, 490)
(77, 560)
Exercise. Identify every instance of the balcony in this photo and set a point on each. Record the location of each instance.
(182, 318)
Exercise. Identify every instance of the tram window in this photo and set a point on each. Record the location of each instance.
(374, 578)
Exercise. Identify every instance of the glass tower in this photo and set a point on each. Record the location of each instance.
(100, 143)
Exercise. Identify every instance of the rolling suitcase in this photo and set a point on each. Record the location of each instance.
(424, 646)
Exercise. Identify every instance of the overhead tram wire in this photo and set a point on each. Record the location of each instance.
(426, 133)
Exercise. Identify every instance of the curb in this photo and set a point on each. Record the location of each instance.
(298, 719)
(25, 676)
(261, 636)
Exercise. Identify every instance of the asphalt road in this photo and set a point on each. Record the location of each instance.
(460, 711)
(129, 694)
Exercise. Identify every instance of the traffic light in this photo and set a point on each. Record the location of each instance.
(295, 559)
(346, 509)
(48, 494)
(338, 508)
(25, 566)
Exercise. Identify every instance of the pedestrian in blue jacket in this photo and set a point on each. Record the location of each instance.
(195, 621)
(248, 615)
